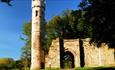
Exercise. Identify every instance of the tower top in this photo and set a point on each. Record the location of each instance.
(38, 3)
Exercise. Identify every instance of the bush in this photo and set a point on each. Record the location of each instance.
(10, 64)
(6, 60)
(6, 63)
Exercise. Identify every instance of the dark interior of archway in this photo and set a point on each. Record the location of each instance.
(67, 60)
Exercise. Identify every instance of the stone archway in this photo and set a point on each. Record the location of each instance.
(67, 60)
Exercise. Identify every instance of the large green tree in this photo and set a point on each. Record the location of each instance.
(99, 16)
(65, 25)
(69, 24)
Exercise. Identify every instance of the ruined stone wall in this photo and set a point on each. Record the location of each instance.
(72, 46)
(53, 56)
(93, 55)
(97, 56)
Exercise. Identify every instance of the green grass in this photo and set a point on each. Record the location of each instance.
(85, 68)
(51, 69)
(96, 68)
(79, 68)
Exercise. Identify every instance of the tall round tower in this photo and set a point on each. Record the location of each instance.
(38, 13)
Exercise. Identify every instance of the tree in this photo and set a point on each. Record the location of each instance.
(100, 16)
(65, 25)
(54, 27)
(6, 1)
(6, 63)
(26, 50)
(70, 22)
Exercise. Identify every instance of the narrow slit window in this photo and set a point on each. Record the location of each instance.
(36, 13)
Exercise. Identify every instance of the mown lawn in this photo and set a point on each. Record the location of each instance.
(84, 68)
(96, 68)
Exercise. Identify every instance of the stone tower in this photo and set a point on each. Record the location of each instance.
(38, 13)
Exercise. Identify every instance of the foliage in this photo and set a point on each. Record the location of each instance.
(6, 60)
(53, 30)
(18, 64)
(6, 63)
(70, 22)
(65, 25)
(26, 50)
(84, 26)
(10, 64)
(53, 27)
(6, 1)
(99, 16)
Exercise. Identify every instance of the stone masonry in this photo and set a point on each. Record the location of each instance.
(93, 56)
(38, 23)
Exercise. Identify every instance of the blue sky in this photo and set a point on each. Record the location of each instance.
(12, 19)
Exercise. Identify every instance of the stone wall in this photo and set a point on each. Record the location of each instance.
(98, 56)
(93, 55)
(73, 47)
(53, 57)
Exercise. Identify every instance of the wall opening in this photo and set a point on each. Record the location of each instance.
(36, 13)
(67, 60)
(82, 56)
(42, 65)
(61, 42)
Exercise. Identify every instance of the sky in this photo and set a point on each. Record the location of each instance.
(13, 17)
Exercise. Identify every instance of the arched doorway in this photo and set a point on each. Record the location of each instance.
(67, 60)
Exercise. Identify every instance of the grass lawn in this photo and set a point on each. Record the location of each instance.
(84, 68)
(96, 68)
(79, 68)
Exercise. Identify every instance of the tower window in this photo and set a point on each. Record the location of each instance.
(36, 13)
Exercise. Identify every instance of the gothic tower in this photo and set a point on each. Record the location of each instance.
(38, 13)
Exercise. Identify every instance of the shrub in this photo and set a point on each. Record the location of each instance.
(6, 63)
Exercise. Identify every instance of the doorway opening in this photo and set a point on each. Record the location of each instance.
(67, 60)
